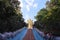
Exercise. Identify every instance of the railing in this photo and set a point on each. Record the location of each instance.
(10, 35)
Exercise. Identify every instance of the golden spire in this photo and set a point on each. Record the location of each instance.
(30, 24)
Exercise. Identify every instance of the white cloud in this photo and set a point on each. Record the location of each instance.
(27, 17)
(21, 5)
(29, 2)
(27, 7)
(35, 5)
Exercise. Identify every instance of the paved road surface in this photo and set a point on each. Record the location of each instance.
(29, 35)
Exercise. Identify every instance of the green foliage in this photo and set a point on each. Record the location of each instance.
(51, 17)
(41, 14)
(10, 20)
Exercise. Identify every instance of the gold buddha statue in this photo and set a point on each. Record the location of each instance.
(30, 24)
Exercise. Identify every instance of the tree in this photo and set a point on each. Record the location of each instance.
(54, 20)
(40, 17)
(51, 19)
(10, 18)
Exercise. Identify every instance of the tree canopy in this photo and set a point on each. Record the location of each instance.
(11, 18)
(50, 17)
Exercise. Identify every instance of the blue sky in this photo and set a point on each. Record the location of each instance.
(30, 8)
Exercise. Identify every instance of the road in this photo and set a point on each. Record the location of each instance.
(29, 35)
